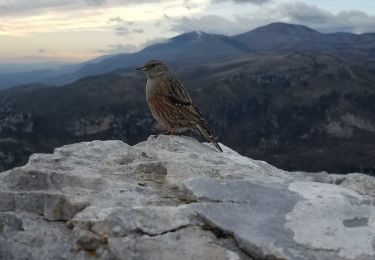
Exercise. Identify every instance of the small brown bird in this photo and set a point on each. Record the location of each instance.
(170, 104)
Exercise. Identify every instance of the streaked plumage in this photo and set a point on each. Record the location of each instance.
(170, 104)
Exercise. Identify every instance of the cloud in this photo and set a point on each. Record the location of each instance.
(11, 8)
(346, 21)
(257, 2)
(95, 2)
(218, 24)
(25, 17)
(290, 12)
(155, 41)
(138, 31)
(307, 13)
(208, 23)
(118, 48)
(122, 31)
(97, 23)
(116, 19)
(33, 7)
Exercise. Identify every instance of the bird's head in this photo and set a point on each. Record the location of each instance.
(153, 68)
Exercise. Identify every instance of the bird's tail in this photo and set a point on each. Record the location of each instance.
(206, 132)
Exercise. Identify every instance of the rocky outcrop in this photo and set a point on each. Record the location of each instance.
(175, 198)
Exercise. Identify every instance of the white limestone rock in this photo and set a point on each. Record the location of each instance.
(172, 197)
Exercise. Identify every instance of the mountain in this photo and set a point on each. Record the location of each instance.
(6, 66)
(183, 50)
(8, 80)
(18, 78)
(192, 48)
(283, 36)
(297, 110)
(198, 47)
(43, 72)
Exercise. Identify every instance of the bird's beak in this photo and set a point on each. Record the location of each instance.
(141, 68)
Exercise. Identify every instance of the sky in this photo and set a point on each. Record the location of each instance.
(33, 31)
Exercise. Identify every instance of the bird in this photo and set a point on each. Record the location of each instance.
(171, 105)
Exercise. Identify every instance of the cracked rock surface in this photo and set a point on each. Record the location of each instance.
(174, 198)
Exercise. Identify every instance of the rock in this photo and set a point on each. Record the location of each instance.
(38, 239)
(188, 243)
(151, 220)
(327, 216)
(174, 198)
(87, 240)
(363, 184)
(59, 207)
(8, 220)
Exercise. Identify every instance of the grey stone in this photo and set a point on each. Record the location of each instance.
(10, 221)
(22, 180)
(30, 201)
(117, 222)
(174, 198)
(237, 191)
(87, 240)
(329, 215)
(360, 183)
(39, 239)
(7, 201)
(249, 212)
(188, 243)
(59, 207)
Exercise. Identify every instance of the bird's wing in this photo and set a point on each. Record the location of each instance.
(178, 101)
(177, 90)
(180, 98)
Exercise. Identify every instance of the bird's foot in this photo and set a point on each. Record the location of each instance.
(169, 132)
(172, 132)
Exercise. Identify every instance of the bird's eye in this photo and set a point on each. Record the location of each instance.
(153, 65)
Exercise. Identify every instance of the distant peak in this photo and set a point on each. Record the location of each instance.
(194, 35)
(199, 34)
(285, 27)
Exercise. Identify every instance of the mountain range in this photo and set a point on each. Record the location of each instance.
(199, 47)
(297, 98)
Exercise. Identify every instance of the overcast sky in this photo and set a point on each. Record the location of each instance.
(76, 30)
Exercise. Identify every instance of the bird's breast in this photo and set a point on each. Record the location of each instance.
(154, 89)
(150, 89)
